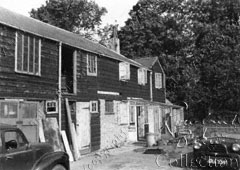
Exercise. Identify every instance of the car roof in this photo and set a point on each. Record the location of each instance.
(4, 126)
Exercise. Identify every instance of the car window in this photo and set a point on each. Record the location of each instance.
(13, 141)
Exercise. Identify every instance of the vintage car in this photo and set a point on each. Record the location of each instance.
(16, 153)
(217, 151)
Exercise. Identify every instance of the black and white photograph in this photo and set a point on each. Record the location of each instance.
(119, 84)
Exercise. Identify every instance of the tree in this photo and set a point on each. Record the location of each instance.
(197, 42)
(79, 16)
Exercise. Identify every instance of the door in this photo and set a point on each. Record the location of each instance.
(17, 154)
(156, 120)
(23, 115)
(140, 122)
(83, 126)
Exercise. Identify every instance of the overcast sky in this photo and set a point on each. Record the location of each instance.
(117, 9)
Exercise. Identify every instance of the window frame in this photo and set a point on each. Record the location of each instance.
(126, 67)
(142, 76)
(107, 112)
(47, 107)
(158, 80)
(23, 35)
(91, 106)
(95, 64)
(19, 148)
(132, 114)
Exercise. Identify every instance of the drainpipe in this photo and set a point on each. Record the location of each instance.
(60, 86)
(151, 88)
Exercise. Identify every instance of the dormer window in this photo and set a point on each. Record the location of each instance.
(124, 71)
(142, 76)
(158, 81)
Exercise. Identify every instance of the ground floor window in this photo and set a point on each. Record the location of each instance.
(18, 109)
(109, 107)
(132, 120)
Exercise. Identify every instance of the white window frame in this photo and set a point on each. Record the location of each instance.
(38, 73)
(158, 80)
(124, 71)
(142, 76)
(91, 106)
(56, 104)
(94, 65)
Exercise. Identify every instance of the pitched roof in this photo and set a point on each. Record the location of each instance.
(48, 31)
(147, 61)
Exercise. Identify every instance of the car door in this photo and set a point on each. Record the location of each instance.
(17, 153)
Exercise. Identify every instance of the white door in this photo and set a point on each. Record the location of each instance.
(83, 125)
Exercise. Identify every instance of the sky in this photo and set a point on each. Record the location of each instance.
(117, 9)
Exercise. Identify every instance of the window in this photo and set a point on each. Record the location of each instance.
(9, 110)
(142, 76)
(14, 140)
(109, 107)
(27, 54)
(132, 116)
(124, 71)
(91, 65)
(94, 106)
(51, 106)
(158, 80)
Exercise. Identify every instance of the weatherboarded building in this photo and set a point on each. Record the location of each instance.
(111, 98)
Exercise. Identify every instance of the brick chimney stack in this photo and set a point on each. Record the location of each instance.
(114, 43)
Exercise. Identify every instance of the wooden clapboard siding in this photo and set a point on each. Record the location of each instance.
(95, 131)
(20, 85)
(107, 79)
(158, 94)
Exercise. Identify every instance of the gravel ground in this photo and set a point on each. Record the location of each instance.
(134, 157)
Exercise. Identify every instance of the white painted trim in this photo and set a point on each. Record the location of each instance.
(60, 85)
(94, 102)
(28, 64)
(75, 72)
(88, 73)
(46, 107)
(16, 50)
(108, 93)
(39, 57)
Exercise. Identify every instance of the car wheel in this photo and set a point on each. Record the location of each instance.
(59, 167)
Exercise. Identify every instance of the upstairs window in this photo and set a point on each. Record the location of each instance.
(124, 71)
(91, 65)
(142, 76)
(158, 80)
(27, 54)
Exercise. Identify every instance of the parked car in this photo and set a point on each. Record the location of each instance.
(16, 153)
(217, 151)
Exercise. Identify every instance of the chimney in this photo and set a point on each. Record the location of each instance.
(114, 43)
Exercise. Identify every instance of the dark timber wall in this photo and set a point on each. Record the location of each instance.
(107, 79)
(18, 85)
(158, 94)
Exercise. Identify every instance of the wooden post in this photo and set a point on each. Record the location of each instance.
(60, 87)
(76, 153)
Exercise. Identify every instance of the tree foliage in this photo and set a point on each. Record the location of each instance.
(79, 16)
(197, 42)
